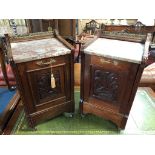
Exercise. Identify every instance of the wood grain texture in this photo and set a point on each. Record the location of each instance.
(98, 94)
(11, 107)
(108, 86)
(40, 101)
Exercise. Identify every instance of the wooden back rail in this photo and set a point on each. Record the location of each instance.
(137, 28)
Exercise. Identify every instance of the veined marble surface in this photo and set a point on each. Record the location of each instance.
(37, 49)
(116, 49)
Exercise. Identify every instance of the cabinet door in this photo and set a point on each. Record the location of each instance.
(40, 84)
(35, 83)
(107, 83)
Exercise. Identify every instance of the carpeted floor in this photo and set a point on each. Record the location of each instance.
(90, 124)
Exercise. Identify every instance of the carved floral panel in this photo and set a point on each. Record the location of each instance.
(105, 85)
(44, 85)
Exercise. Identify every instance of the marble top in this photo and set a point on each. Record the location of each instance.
(116, 49)
(37, 49)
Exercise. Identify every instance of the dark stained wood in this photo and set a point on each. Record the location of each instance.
(13, 120)
(41, 25)
(71, 74)
(41, 102)
(150, 85)
(82, 81)
(51, 112)
(63, 41)
(5, 116)
(117, 102)
(117, 118)
(124, 36)
(66, 27)
(108, 89)
(130, 28)
(134, 89)
(29, 37)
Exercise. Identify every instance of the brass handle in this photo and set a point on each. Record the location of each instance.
(108, 61)
(105, 61)
(41, 63)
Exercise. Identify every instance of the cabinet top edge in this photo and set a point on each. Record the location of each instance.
(116, 49)
(38, 49)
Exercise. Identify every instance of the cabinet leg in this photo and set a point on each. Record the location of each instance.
(81, 109)
(81, 106)
(31, 124)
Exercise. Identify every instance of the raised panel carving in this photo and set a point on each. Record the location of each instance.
(105, 85)
(43, 83)
(40, 85)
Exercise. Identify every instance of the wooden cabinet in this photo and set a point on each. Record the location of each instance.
(43, 59)
(111, 70)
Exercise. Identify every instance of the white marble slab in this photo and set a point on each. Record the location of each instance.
(38, 49)
(116, 49)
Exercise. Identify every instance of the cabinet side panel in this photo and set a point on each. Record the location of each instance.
(24, 85)
(87, 83)
(124, 107)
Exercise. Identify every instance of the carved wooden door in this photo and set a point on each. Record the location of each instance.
(40, 83)
(107, 85)
(40, 99)
(107, 81)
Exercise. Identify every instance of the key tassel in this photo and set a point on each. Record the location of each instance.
(53, 85)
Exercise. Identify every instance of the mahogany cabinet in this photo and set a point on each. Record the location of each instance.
(111, 70)
(43, 67)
